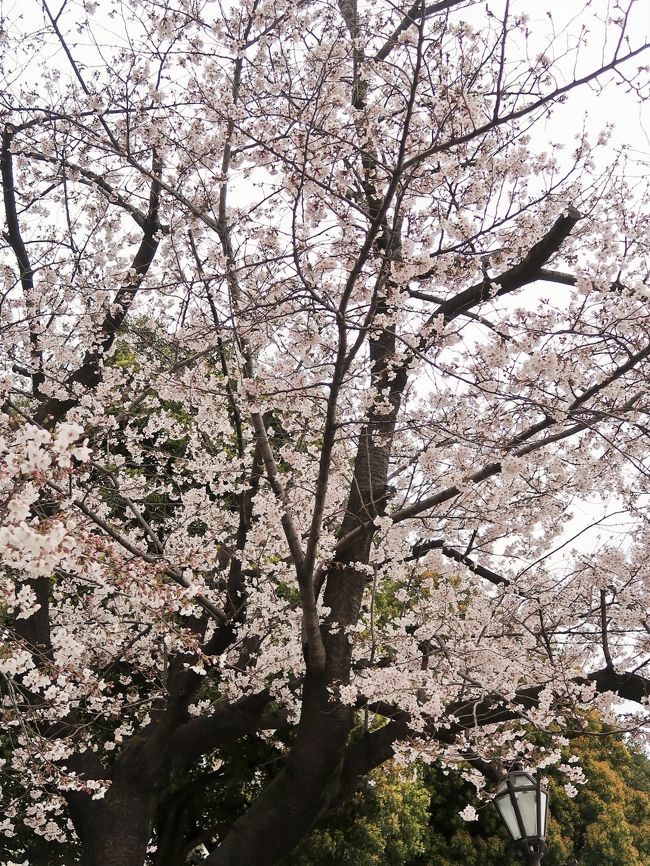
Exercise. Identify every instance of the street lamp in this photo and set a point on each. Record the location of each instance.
(522, 802)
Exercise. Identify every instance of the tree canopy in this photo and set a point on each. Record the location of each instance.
(315, 340)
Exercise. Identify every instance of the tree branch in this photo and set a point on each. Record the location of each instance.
(492, 469)
(88, 374)
(155, 559)
(415, 13)
(226, 724)
(420, 550)
(527, 271)
(527, 109)
(17, 244)
(376, 747)
(92, 179)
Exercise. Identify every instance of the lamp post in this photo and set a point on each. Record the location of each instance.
(522, 802)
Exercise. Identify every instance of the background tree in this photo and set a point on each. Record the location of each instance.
(604, 822)
(310, 351)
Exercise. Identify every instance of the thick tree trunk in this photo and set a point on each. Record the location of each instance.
(303, 790)
(115, 830)
(120, 834)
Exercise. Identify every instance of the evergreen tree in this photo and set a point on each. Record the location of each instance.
(386, 823)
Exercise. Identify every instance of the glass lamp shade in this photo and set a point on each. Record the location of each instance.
(522, 803)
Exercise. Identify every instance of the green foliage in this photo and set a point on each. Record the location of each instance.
(451, 841)
(607, 823)
(383, 823)
(415, 821)
(124, 356)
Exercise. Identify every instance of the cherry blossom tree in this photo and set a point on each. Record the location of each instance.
(314, 339)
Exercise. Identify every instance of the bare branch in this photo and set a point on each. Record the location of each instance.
(421, 549)
(534, 106)
(522, 274)
(417, 11)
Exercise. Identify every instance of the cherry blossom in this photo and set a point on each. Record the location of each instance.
(317, 348)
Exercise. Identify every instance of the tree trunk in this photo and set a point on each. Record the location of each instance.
(115, 830)
(120, 834)
(290, 805)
